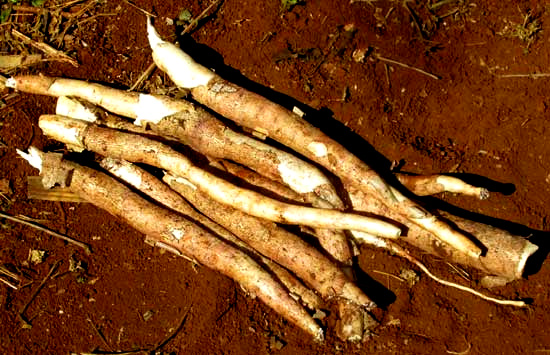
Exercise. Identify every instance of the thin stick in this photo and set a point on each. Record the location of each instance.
(140, 9)
(186, 30)
(8, 283)
(23, 309)
(388, 274)
(99, 334)
(391, 61)
(532, 76)
(173, 334)
(82, 245)
(47, 49)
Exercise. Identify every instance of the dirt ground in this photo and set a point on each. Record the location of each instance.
(477, 120)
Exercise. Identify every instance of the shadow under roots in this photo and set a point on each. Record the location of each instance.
(324, 120)
(377, 292)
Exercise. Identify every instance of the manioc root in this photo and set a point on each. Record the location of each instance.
(424, 185)
(162, 193)
(276, 243)
(335, 242)
(506, 254)
(174, 230)
(127, 146)
(187, 123)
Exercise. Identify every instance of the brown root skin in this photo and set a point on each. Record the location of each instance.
(191, 240)
(109, 142)
(162, 193)
(506, 253)
(276, 243)
(334, 242)
(191, 125)
(255, 112)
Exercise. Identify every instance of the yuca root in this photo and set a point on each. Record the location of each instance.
(506, 254)
(162, 193)
(176, 231)
(189, 124)
(424, 185)
(293, 253)
(276, 243)
(131, 147)
(399, 251)
(256, 112)
(335, 242)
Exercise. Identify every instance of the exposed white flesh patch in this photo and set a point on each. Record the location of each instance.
(177, 233)
(33, 157)
(11, 83)
(64, 129)
(123, 170)
(151, 109)
(297, 174)
(299, 177)
(318, 149)
(71, 107)
(179, 66)
(362, 237)
(181, 180)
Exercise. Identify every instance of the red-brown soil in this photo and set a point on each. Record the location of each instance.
(473, 121)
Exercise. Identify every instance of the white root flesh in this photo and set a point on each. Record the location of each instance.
(424, 185)
(135, 148)
(257, 113)
(335, 242)
(177, 232)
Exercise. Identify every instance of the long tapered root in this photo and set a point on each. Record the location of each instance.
(179, 233)
(399, 251)
(424, 185)
(108, 142)
(251, 110)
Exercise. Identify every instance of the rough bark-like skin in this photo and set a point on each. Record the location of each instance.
(506, 253)
(334, 242)
(162, 193)
(134, 148)
(101, 95)
(256, 112)
(192, 125)
(191, 240)
(281, 246)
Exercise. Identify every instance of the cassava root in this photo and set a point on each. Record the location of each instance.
(127, 146)
(251, 110)
(174, 230)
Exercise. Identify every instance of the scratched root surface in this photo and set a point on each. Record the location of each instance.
(128, 296)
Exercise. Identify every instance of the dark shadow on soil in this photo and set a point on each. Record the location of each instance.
(325, 121)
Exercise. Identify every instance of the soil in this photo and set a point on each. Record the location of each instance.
(327, 58)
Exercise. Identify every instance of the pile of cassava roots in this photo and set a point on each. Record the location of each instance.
(226, 192)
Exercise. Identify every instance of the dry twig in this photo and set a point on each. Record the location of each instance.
(47, 49)
(48, 231)
(22, 310)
